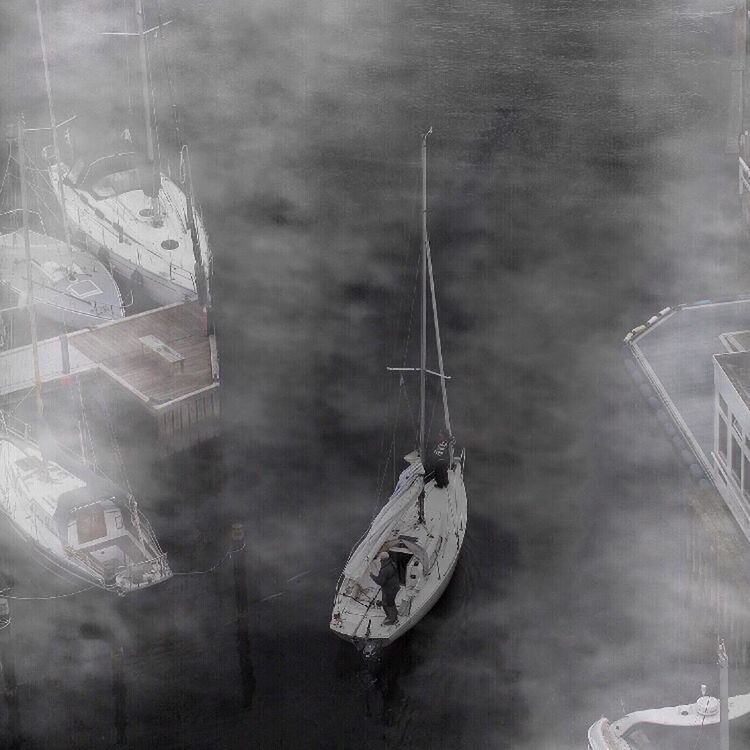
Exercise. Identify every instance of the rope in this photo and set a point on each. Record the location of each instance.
(700, 732)
(228, 554)
(47, 598)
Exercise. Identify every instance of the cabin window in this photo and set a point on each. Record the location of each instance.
(91, 524)
(723, 404)
(723, 438)
(118, 521)
(736, 459)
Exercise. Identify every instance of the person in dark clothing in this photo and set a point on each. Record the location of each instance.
(440, 458)
(387, 579)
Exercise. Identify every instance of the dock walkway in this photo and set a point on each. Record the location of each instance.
(185, 402)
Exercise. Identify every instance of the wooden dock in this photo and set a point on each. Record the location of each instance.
(183, 401)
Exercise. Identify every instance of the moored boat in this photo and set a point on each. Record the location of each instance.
(418, 534)
(77, 522)
(70, 286)
(129, 212)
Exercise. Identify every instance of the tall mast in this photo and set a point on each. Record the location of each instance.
(446, 414)
(29, 270)
(53, 127)
(423, 323)
(147, 107)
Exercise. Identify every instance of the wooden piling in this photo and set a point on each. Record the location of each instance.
(247, 675)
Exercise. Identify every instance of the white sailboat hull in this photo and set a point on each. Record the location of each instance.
(91, 297)
(358, 615)
(75, 523)
(120, 232)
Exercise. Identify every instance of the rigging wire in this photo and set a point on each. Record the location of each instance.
(226, 556)
(47, 598)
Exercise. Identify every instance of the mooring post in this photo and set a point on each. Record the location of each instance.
(10, 682)
(241, 603)
(119, 691)
(723, 662)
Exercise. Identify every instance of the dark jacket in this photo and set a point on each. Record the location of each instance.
(440, 451)
(387, 579)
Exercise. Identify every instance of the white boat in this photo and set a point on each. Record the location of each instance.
(70, 286)
(672, 727)
(114, 218)
(131, 214)
(425, 549)
(76, 520)
(79, 523)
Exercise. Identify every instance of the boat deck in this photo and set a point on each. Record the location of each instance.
(118, 350)
(179, 391)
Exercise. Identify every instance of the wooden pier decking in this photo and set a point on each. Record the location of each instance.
(184, 401)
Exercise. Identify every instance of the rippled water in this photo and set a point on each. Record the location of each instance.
(577, 185)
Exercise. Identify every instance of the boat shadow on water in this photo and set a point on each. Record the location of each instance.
(447, 651)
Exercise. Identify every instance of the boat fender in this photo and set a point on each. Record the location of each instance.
(652, 319)
(665, 311)
(629, 337)
(638, 329)
(136, 278)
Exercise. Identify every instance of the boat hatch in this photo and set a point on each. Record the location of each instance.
(29, 464)
(90, 523)
(84, 288)
(55, 272)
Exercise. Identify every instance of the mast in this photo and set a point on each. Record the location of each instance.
(147, 109)
(446, 414)
(53, 128)
(723, 663)
(29, 270)
(423, 322)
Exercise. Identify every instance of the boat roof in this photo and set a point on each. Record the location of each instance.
(736, 366)
(678, 353)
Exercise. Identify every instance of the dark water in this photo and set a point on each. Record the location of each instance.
(577, 186)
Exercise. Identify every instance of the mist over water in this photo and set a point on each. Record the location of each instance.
(577, 185)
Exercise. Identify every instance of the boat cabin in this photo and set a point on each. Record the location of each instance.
(731, 452)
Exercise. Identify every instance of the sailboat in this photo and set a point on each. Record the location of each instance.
(669, 727)
(78, 522)
(71, 287)
(704, 723)
(133, 215)
(420, 529)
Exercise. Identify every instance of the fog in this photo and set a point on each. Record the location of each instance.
(577, 185)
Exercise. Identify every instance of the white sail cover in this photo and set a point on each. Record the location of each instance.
(408, 487)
